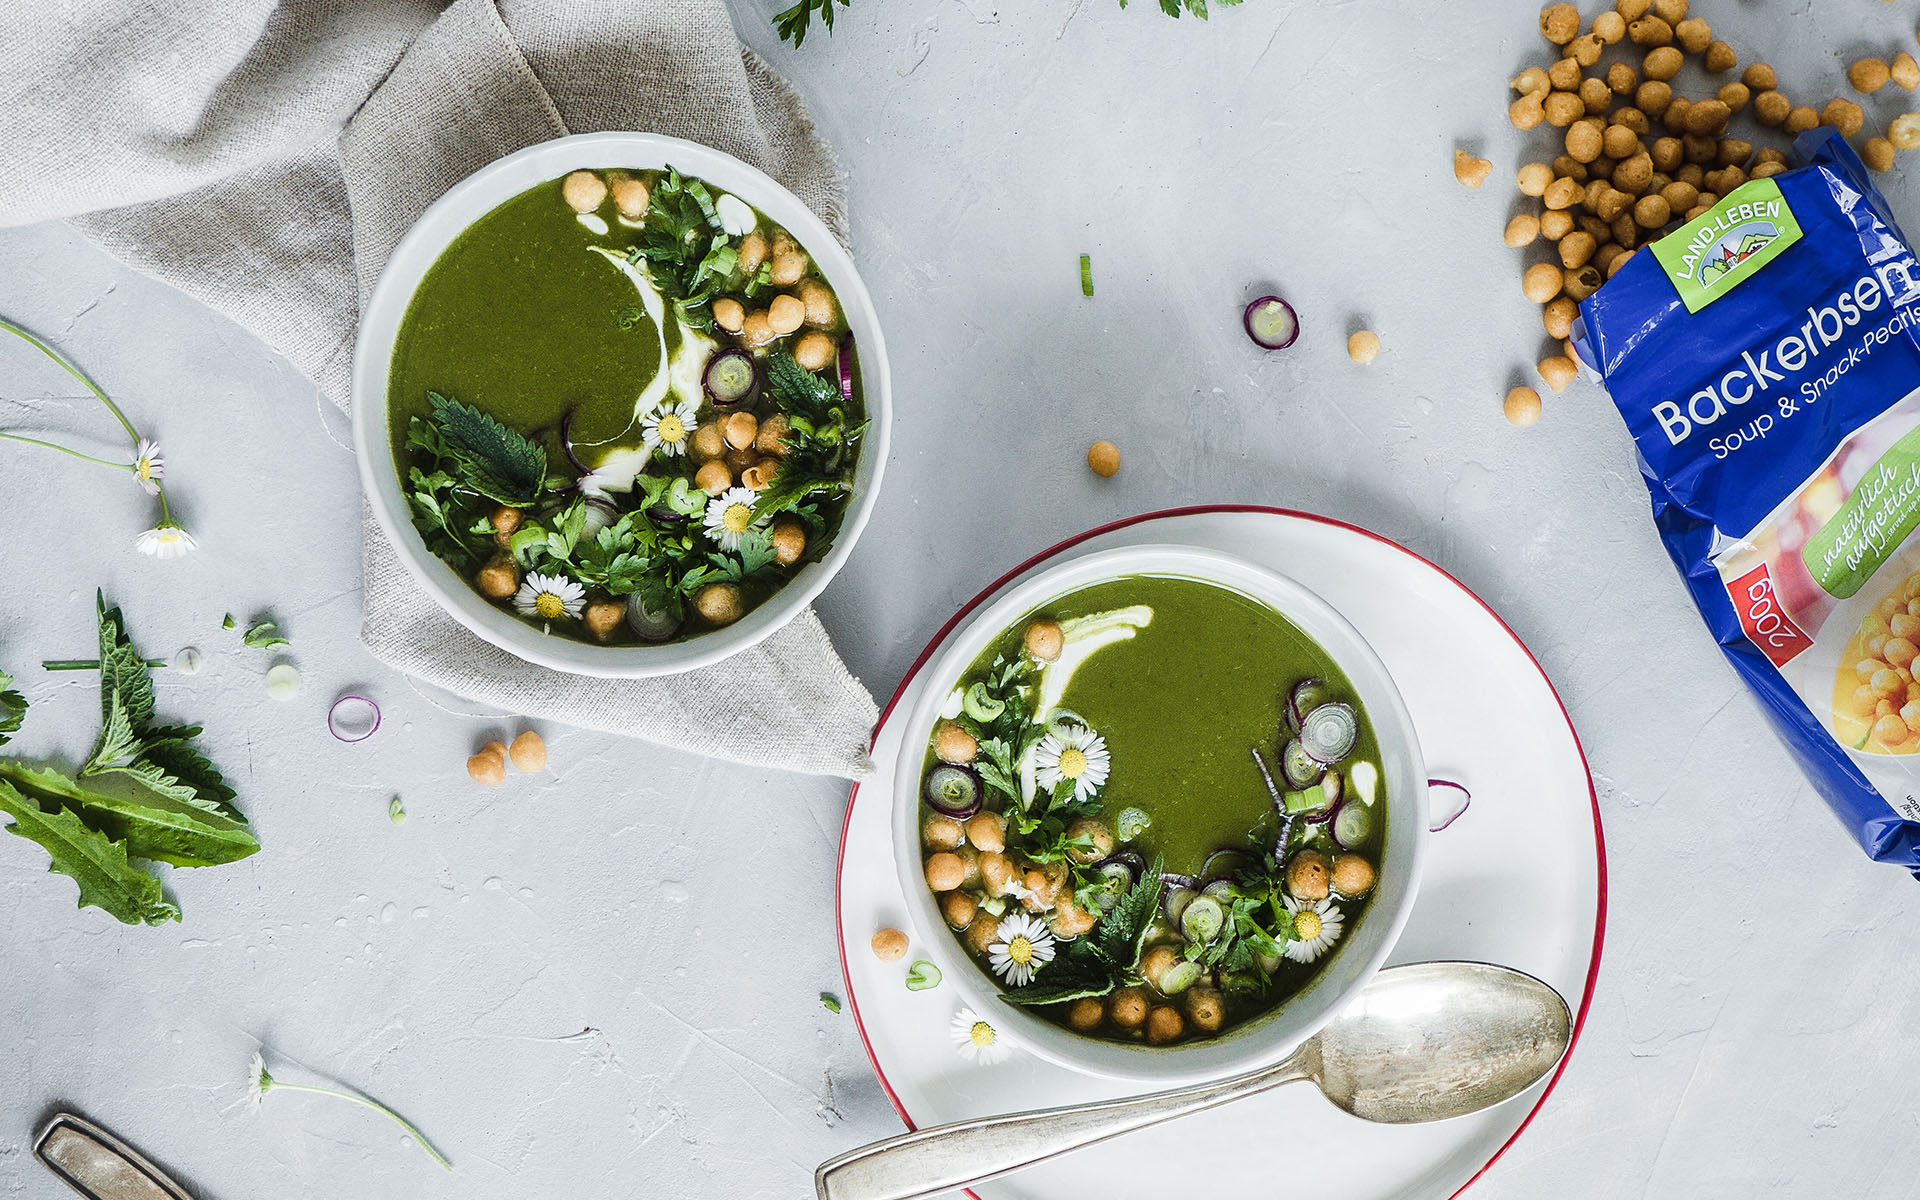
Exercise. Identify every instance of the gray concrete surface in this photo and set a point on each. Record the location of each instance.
(562, 980)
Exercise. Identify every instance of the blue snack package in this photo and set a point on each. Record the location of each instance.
(1766, 361)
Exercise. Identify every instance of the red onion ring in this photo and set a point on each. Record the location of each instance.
(846, 367)
(1466, 801)
(341, 721)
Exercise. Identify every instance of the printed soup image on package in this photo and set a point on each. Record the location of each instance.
(1765, 359)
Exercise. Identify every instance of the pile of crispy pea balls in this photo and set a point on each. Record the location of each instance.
(1638, 157)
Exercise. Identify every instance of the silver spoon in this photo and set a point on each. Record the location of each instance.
(1423, 1042)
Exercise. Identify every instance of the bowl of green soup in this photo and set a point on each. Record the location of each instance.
(621, 404)
(1161, 813)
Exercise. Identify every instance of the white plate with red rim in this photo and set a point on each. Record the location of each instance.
(1518, 879)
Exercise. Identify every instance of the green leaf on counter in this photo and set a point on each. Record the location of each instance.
(265, 635)
(150, 823)
(98, 865)
(13, 709)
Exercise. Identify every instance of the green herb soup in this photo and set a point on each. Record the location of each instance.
(626, 406)
(1097, 827)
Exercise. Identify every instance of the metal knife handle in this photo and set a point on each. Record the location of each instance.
(99, 1165)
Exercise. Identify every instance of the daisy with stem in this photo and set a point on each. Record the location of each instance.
(261, 1081)
(166, 539)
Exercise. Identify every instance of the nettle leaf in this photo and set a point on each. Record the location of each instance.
(96, 863)
(500, 463)
(265, 635)
(1122, 933)
(1062, 980)
(800, 392)
(149, 824)
(123, 673)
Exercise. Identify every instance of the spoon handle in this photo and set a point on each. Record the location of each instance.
(945, 1157)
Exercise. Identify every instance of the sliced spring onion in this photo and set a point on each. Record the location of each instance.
(353, 718)
(1131, 823)
(830, 1002)
(1202, 920)
(1306, 800)
(1298, 766)
(1271, 323)
(1174, 900)
(1179, 977)
(283, 680)
(1064, 723)
(187, 661)
(922, 975)
(1306, 696)
(1086, 274)
(981, 705)
(1333, 786)
(1352, 826)
(1329, 732)
(396, 811)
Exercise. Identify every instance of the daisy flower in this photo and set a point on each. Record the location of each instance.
(148, 466)
(976, 1039)
(549, 597)
(668, 428)
(259, 1082)
(1316, 927)
(730, 516)
(165, 540)
(1021, 946)
(1077, 754)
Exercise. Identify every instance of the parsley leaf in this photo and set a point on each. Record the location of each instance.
(500, 463)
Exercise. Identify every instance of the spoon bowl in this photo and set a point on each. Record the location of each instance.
(1422, 1042)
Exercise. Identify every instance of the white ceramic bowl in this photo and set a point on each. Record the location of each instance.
(1267, 1038)
(474, 197)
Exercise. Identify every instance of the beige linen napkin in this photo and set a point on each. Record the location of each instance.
(215, 114)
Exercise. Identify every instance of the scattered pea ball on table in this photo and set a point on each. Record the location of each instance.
(1104, 459)
(1363, 346)
(1523, 406)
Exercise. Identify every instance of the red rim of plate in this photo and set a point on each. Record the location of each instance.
(1599, 836)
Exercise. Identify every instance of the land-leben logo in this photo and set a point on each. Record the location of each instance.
(1709, 255)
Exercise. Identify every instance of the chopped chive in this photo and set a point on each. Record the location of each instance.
(89, 664)
(922, 975)
(1086, 274)
(830, 1002)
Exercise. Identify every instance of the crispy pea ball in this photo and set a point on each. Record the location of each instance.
(1610, 27)
(1576, 248)
(788, 269)
(1680, 195)
(498, 580)
(1584, 140)
(1558, 372)
(1522, 230)
(1662, 62)
(1564, 192)
(1353, 875)
(1531, 81)
(1771, 108)
(707, 443)
(814, 351)
(1127, 1008)
(1675, 118)
(505, 519)
(1760, 78)
(1557, 315)
(1653, 97)
(1670, 11)
(996, 872)
(729, 314)
(1564, 75)
(1554, 225)
(1103, 459)
(1206, 1009)
(752, 254)
(583, 191)
(988, 832)
(1904, 72)
(1649, 31)
(1844, 115)
(630, 195)
(1583, 282)
(1632, 10)
(888, 945)
(1868, 75)
(1719, 58)
(818, 298)
(1044, 639)
(1620, 142)
(1470, 170)
(1904, 132)
(757, 329)
(1693, 34)
(958, 909)
(945, 871)
(1619, 260)
(941, 832)
(1522, 406)
(1633, 175)
(1563, 108)
(1541, 283)
(1307, 875)
(1801, 118)
(739, 429)
(1155, 962)
(758, 476)
(789, 538)
(1527, 112)
(719, 603)
(1587, 49)
(1877, 154)
(1069, 920)
(953, 744)
(1559, 23)
(1086, 1013)
(983, 933)
(1164, 1025)
(1708, 117)
(1534, 179)
(1734, 95)
(1094, 830)
(1766, 169)
(1363, 346)
(489, 767)
(786, 314)
(713, 477)
(603, 618)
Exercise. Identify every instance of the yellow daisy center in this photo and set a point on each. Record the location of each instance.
(549, 606)
(144, 469)
(1073, 762)
(1306, 925)
(169, 536)
(981, 1034)
(1020, 950)
(736, 518)
(672, 428)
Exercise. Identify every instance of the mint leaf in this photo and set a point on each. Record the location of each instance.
(499, 463)
(107, 880)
